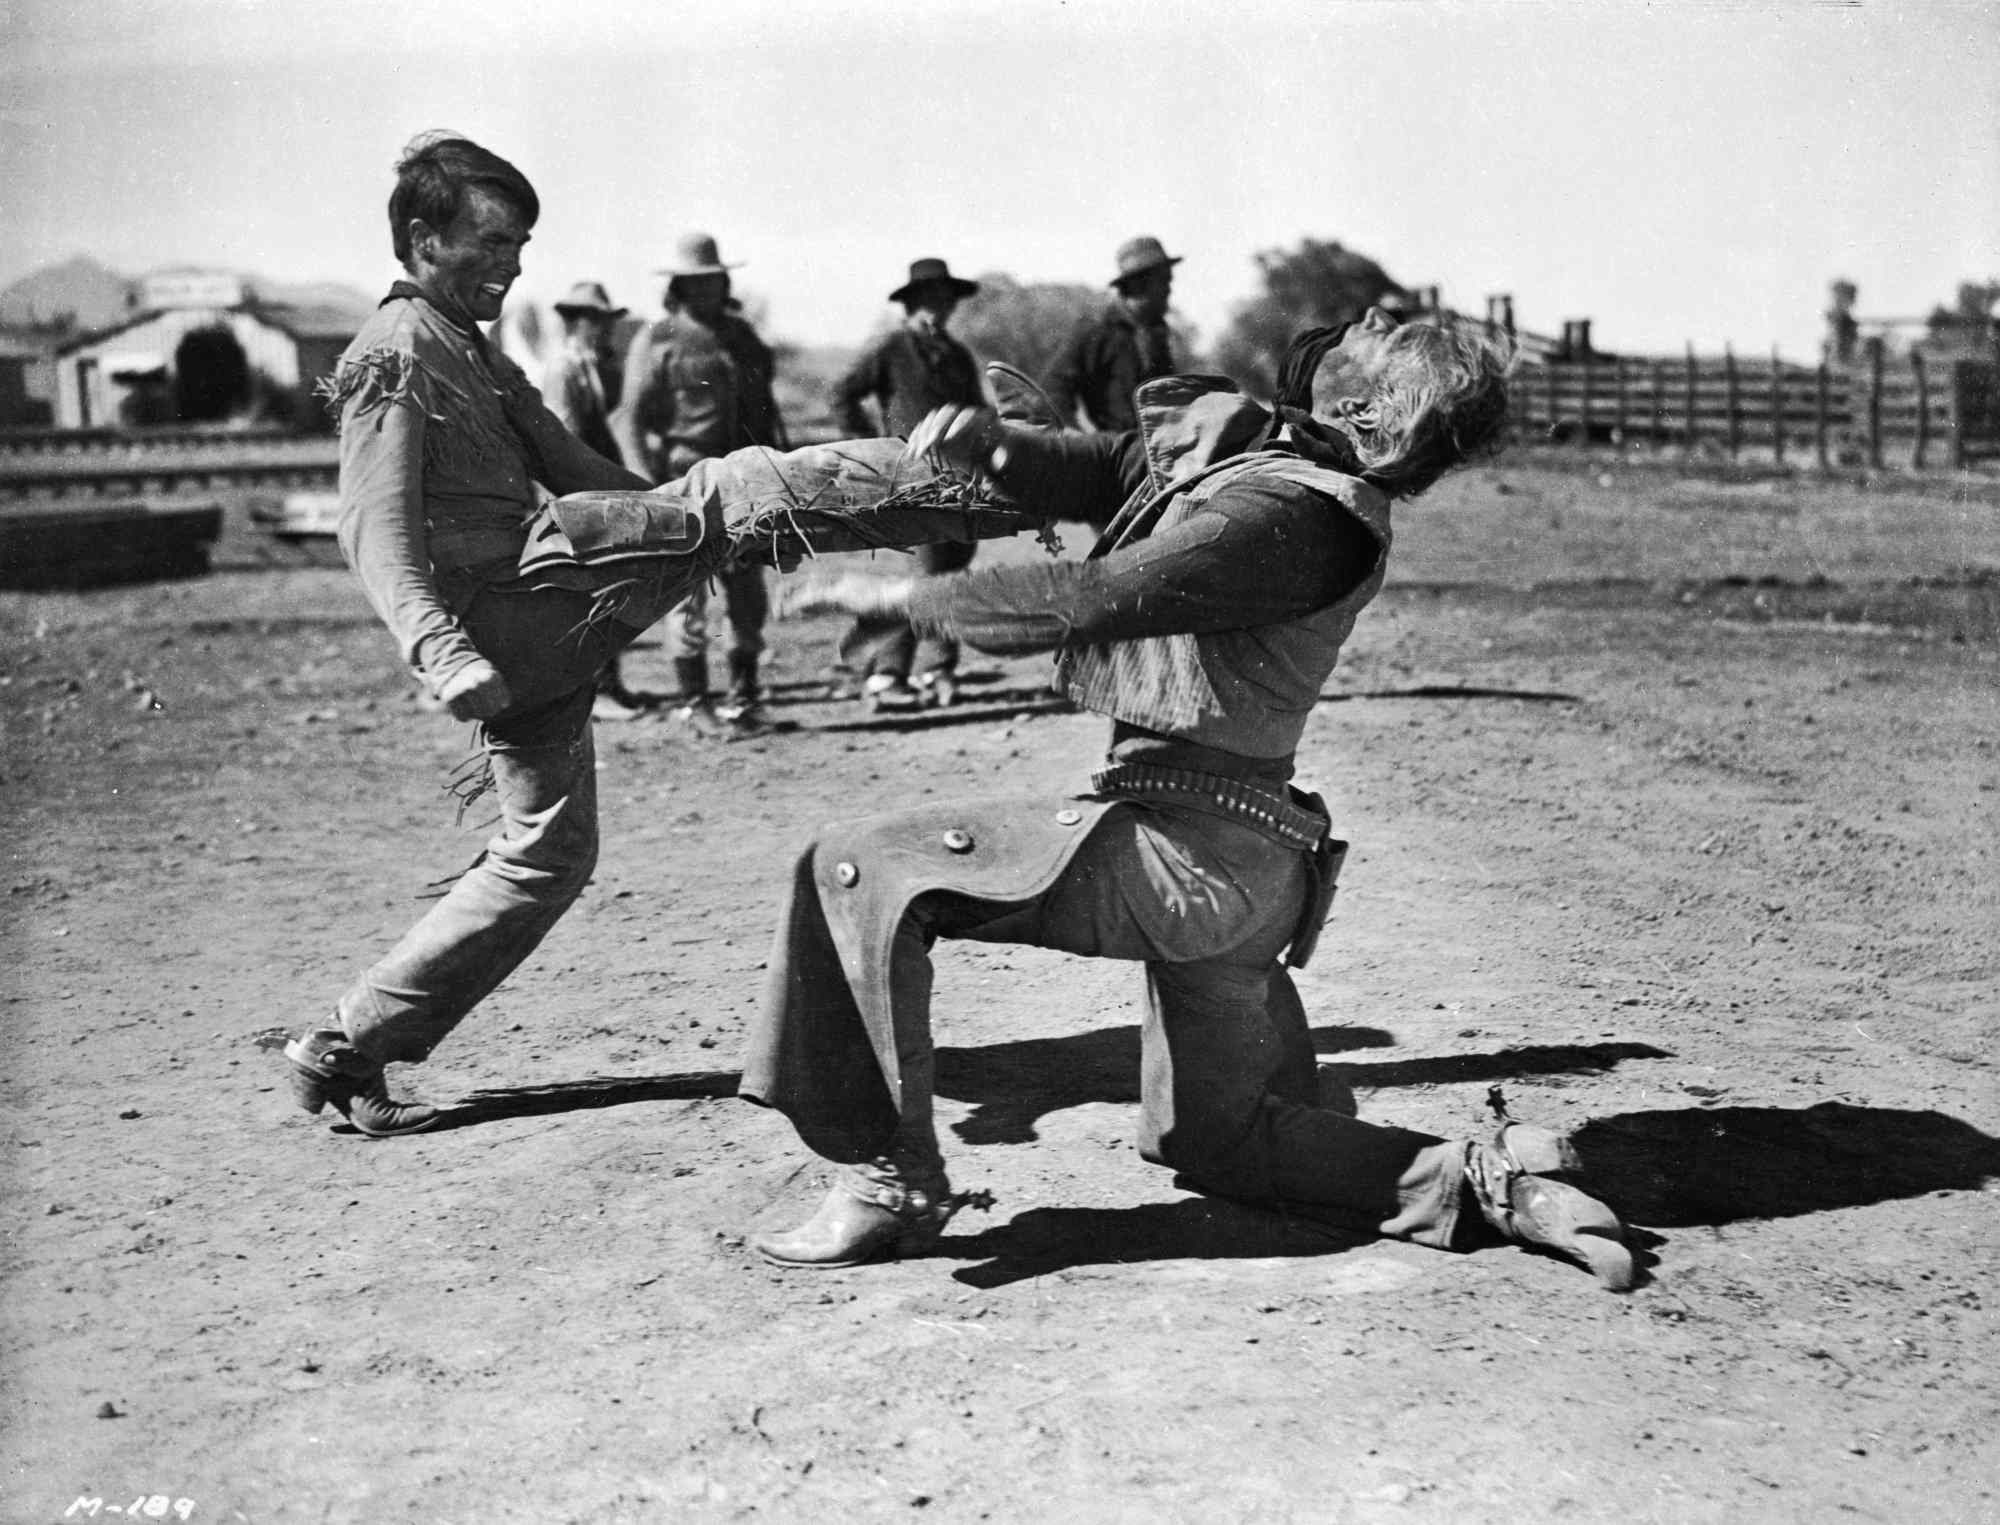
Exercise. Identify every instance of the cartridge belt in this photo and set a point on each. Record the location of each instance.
(1272, 814)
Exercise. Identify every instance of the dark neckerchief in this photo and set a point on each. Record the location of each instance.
(1321, 445)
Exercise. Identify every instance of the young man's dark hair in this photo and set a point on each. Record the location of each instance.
(432, 177)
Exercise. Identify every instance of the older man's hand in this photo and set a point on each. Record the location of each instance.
(475, 692)
(960, 438)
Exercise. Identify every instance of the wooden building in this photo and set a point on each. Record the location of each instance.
(202, 347)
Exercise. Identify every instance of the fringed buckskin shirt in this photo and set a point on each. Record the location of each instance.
(442, 443)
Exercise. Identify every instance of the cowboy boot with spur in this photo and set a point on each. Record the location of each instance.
(873, 1212)
(325, 1068)
(1542, 1213)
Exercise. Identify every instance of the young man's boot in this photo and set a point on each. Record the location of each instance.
(326, 1069)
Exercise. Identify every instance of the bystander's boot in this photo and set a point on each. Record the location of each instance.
(740, 705)
(691, 677)
(938, 687)
(614, 701)
(327, 1068)
(889, 691)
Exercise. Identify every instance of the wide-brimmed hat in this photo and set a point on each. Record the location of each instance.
(1138, 255)
(589, 296)
(932, 272)
(696, 254)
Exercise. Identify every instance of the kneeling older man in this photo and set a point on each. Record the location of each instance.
(1203, 624)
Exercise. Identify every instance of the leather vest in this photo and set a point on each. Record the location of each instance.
(1243, 691)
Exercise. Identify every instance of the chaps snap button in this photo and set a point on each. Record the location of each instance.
(1068, 817)
(845, 874)
(958, 841)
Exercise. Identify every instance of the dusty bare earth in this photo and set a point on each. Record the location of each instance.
(1673, 807)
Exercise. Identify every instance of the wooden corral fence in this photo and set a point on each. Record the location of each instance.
(1905, 412)
(97, 463)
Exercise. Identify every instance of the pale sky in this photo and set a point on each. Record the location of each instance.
(1678, 172)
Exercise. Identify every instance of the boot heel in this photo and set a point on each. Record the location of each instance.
(311, 1087)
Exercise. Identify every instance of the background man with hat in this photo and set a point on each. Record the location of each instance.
(581, 381)
(698, 384)
(911, 369)
(1107, 357)
(580, 384)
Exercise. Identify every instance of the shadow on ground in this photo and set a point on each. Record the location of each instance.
(1045, 1240)
(582, 1095)
(1012, 1086)
(1687, 1168)
(1716, 1165)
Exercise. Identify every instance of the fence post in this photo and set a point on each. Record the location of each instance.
(1777, 408)
(1875, 403)
(1734, 420)
(1583, 405)
(1549, 370)
(1691, 430)
(1659, 400)
(1618, 422)
(1961, 383)
(1923, 410)
(1821, 385)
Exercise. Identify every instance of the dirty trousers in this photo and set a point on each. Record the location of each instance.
(1228, 1076)
(544, 775)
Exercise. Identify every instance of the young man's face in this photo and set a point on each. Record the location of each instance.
(1353, 370)
(473, 263)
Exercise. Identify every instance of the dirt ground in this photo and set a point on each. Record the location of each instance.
(1673, 810)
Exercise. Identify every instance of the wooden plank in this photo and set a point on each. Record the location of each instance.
(59, 545)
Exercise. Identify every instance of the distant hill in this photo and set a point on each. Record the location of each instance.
(318, 296)
(80, 290)
(93, 297)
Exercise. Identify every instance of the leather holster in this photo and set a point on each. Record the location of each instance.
(1322, 879)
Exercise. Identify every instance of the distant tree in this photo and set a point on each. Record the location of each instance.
(1024, 325)
(1318, 282)
(1969, 324)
